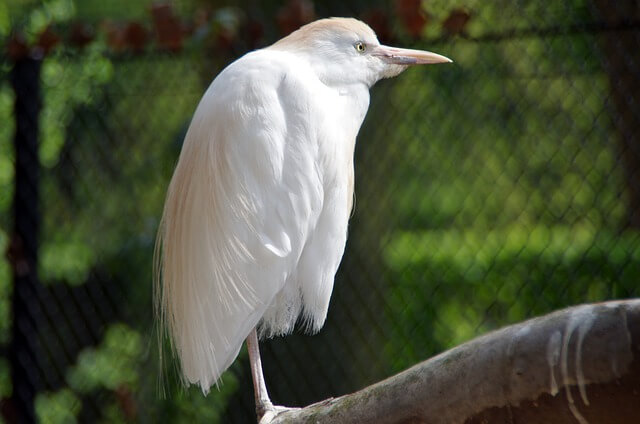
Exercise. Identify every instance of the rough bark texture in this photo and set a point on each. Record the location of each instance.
(578, 365)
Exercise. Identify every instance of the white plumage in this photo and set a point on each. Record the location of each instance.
(255, 220)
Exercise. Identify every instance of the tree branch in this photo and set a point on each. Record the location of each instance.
(579, 365)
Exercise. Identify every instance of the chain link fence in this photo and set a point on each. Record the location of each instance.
(496, 189)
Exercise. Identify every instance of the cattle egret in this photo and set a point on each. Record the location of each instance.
(255, 219)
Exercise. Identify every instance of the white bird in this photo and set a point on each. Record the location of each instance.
(255, 219)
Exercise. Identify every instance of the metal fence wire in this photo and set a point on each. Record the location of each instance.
(501, 187)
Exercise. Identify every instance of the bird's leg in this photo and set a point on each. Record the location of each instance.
(263, 403)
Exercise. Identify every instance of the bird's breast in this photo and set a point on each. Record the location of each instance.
(345, 109)
(337, 138)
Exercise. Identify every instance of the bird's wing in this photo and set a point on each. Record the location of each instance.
(241, 202)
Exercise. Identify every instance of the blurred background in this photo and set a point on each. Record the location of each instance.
(502, 187)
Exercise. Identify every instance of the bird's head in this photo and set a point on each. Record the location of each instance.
(345, 51)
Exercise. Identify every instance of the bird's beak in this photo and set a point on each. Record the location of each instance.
(398, 56)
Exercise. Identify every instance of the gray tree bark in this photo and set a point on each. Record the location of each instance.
(578, 365)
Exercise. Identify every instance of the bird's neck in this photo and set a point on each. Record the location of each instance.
(347, 110)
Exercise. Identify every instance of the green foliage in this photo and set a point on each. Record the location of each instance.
(32, 17)
(130, 10)
(192, 406)
(67, 260)
(5, 22)
(113, 364)
(538, 157)
(471, 281)
(503, 195)
(120, 137)
(6, 150)
(67, 87)
(49, 12)
(61, 407)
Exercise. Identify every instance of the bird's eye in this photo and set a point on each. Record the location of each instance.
(360, 47)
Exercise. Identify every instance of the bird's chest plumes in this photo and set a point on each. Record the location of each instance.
(344, 114)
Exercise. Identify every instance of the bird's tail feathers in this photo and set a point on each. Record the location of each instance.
(202, 299)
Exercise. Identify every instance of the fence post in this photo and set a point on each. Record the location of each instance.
(23, 248)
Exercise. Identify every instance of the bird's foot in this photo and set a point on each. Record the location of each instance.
(267, 413)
